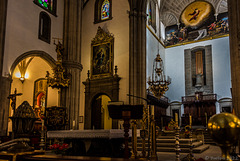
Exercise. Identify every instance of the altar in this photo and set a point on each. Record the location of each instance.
(99, 142)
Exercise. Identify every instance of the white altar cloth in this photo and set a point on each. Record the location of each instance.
(88, 134)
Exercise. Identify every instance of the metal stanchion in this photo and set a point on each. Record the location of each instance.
(177, 146)
(134, 139)
(143, 132)
(42, 143)
(153, 140)
(190, 155)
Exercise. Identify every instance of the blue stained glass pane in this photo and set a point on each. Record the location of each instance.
(105, 10)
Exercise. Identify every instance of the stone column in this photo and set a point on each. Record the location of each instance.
(234, 38)
(4, 106)
(3, 94)
(137, 51)
(70, 97)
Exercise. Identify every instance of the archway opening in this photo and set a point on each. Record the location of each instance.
(100, 114)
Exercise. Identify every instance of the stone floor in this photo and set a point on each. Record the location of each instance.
(212, 154)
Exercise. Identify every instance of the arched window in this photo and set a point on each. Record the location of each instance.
(152, 14)
(48, 5)
(44, 32)
(103, 10)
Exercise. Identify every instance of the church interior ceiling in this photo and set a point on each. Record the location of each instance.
(189, 20)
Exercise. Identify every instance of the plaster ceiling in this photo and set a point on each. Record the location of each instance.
(170, 10)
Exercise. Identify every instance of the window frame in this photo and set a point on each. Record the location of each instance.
(153, 22)
(40, 36)
(98, 11)
(53, 12)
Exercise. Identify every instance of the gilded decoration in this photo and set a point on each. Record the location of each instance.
(197, 23)
(102, 54)
(196, 13)
(40, 96)
(59, 79)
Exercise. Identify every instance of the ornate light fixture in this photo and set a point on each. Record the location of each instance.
(58, 80)
(158, 84)
(22, 66)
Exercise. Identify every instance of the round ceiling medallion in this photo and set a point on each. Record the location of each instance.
(196, 14)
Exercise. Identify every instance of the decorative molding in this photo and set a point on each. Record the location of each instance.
(102, 37)
(155, 36)
(72, 64)
(48, 58)
(95, 87)
(204, 39)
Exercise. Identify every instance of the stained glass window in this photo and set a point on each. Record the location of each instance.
(49, 5)
(105, 10)
(152, 14)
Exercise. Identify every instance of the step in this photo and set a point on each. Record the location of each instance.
(166, 137)
(199, 149)
(174, 140)
(195, 144)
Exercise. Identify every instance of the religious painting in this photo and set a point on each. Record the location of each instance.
(40, 96)
(197, 23)
(196, 14)
(171, 35)
(105, 10)
(102, 55)
(219, 26)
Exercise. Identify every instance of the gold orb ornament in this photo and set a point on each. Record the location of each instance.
(224, 129)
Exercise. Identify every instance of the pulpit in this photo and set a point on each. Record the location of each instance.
(126, 112)
(23, 121)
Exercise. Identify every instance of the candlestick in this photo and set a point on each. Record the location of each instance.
(176, 118)
(190, 120)
(73, 124)
(42, 124)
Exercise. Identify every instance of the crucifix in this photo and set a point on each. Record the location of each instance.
(12, 97)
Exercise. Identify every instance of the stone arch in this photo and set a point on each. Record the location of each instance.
(45, 56)
(99, 111)
(108, 86)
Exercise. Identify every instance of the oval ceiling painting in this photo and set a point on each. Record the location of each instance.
(196, 14)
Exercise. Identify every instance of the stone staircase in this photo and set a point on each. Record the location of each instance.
(208, 139)
(167, 144)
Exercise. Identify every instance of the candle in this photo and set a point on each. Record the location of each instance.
(176, 118)
(73, 124)
(42, 124)
(152, 110)
(190, 120)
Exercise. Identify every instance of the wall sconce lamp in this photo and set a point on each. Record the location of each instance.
(23, 68)
(22, 79)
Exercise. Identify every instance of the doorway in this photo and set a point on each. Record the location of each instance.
(100, 115)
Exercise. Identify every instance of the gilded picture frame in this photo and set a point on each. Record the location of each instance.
(40, 96)
(102, 55)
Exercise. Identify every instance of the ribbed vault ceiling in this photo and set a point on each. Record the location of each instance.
(170, 10)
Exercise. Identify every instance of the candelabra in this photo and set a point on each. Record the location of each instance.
(158, 84)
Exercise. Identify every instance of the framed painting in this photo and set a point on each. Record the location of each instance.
(102, 55)
(40, 96)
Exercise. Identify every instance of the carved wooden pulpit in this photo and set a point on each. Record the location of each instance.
(126, 112)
